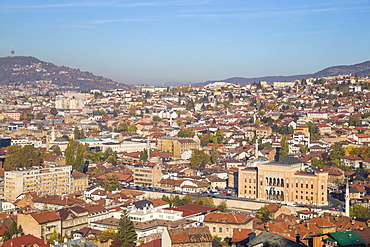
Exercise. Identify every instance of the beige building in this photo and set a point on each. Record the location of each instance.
(73, 219)
(176, 146)
(283, 181)
(187, 237)
(40, 225)
(222, 224)
(80, 181)
(147, 174)
(42, 181)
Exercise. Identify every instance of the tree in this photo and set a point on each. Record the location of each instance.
(52, 237)
(222, 206)
(359, 211)
(132, 128)
(186, 132)
(107, 234)
(199, 158)
(126, 231)
(205, 201)
(79, 159)
(144, 155)
(111, 182)
(70, 153)
(53, 111)
(303, 149)
(76, 133)
(264, 214)
(353, 121)
(284, 147)
(112, 159)
(18, 156)
(57, 150)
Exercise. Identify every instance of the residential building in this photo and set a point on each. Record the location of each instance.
(42, 181)
(176, 146)
(147, 174)
(40, 225)
(187, 237)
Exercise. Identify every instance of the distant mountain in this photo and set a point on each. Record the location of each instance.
(21, 72)
(359, 69)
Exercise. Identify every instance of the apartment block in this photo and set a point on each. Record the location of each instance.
(147, 174)
(42, 181)
(176, 146)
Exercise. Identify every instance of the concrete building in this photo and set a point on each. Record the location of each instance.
(147, 174)
(42, 181)
(283, 181)
(176, 146)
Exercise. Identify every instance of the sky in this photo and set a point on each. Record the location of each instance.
(188, 41)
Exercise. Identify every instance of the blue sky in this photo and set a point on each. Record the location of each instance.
(188, 41)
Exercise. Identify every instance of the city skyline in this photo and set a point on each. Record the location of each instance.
(155, 42)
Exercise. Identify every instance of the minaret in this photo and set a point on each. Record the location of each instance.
(256, 150)
(347, 200)
(148, 146)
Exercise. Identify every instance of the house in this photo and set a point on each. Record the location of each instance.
(353, 161)
(73, 218)
(40, 225)
(76, 242)
(222, 224)
(189, 236)
(25, 241)
(345, 238)
(241, 237)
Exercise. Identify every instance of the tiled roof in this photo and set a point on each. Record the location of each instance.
(190, 235)
(24, 240)
(45, 217)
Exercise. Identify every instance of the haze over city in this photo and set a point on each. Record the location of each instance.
(155, 42)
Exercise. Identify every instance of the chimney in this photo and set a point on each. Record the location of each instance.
(297, 238)
(353, 221)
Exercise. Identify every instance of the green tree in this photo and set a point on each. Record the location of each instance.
(186, 132)
(70, 153)
(111, 182)
(53, 111)
(78, 164)
(126, 231)
(18, 156)
(264, 214)
(303, 149)
(76, 133)
(284, 147)
(57, 150)
(353, 121)
(359, 211)
(204, 140)
(199, 159)
(222, 206)
(112, 159)
(122, 127)
(144, 155)
(205, 201)
(52, 237)
(132, 128)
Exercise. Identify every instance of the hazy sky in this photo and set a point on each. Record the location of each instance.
(159, 41)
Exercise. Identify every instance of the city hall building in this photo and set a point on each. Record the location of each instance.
(284, 181)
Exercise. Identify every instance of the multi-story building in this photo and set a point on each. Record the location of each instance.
(283, 181)
(42, 181)
(147, 174)
(176, 146)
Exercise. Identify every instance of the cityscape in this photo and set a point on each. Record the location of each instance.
(184, 123)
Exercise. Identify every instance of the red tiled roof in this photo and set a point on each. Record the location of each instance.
(24, 240)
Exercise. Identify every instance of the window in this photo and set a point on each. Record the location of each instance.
(220, 229)
(214, 229)
(227, 229)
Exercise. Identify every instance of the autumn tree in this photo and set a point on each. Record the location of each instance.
(264, 214)
(57, 150)
(222, 206)
(126, 231)
(70, 153)
(199, 159)
(111, 182)
(18, 156)
(108, 234)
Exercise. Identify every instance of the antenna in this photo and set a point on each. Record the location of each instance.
(12, 52)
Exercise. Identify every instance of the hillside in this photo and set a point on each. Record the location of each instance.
(359, 69)
(22, 73)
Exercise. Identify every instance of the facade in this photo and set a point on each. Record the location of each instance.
(187, 237)
(176, 146)
(147, 174)
(73, 218)
(284, 181)
(42, 181)
(40, 225)
(80, 181)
